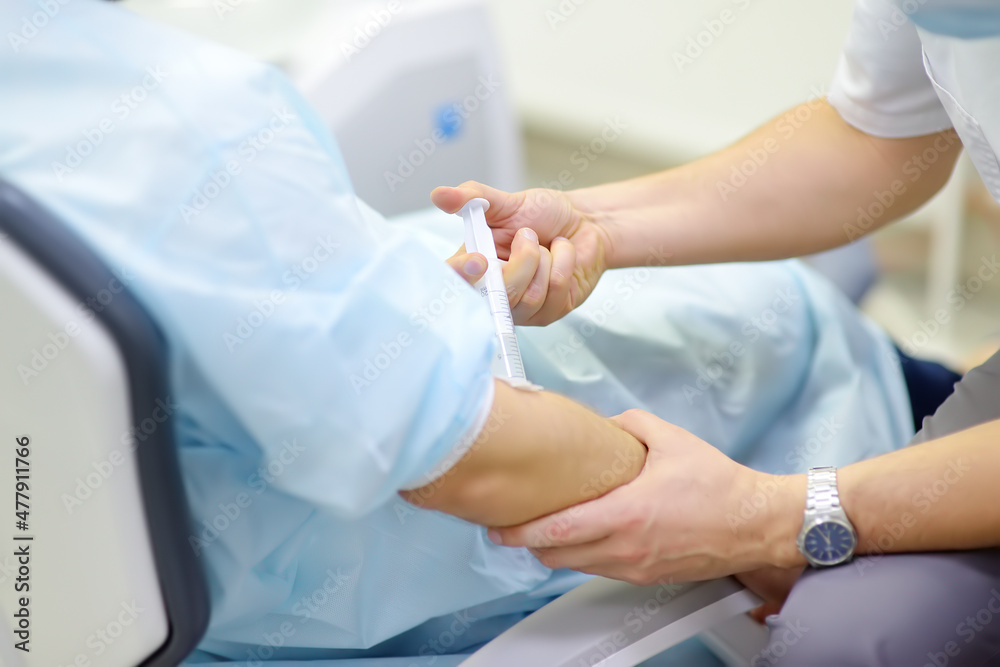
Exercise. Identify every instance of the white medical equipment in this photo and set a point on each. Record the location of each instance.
(416, 97)
(113, 580)
(95, 567)
(413, 90)
(479, 238)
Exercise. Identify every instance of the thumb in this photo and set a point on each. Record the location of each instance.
(643, 425)
(470, 265)
(761, 613)
(451, 200)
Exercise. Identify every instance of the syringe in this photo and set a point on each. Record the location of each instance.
(479, 238)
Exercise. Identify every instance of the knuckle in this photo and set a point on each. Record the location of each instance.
(644, 579)
(627, 554)
(631, 523)
(632, 414)
(555, 534)
(532, 297)
(640, 556)
(633, 577)
(527, 245)
(547, 559)
(558, 280)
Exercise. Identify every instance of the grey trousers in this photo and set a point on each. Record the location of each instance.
(925, 609)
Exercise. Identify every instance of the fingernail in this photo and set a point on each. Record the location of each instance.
(495, 536)
(560, 238)
(529, 234)
(475, 265)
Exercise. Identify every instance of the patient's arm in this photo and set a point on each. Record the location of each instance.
(540, 452)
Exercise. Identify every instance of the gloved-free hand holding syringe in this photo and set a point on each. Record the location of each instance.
(507, 364)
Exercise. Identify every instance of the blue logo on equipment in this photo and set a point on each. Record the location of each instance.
(448, 121)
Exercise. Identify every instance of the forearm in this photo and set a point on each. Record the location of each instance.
(936, 496)
(539, 453)
(941, 493)
(792, 187)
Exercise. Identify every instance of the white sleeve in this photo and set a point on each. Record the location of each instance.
(880, 86)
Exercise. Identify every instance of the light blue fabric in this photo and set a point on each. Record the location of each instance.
(967, 19)
(322, 359)
(767, 361)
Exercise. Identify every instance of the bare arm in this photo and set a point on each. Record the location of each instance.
(936, 496)
(804, 182)
(939, 495)
(696, 514)
(540, 452)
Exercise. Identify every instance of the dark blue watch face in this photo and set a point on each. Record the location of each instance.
(829, 542)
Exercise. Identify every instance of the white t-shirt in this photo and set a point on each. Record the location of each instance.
(911, 68)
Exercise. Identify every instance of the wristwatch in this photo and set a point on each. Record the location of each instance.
(827, 536)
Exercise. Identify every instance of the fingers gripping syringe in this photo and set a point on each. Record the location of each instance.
(479, 238)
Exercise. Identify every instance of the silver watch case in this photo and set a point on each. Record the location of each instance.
(815, 518)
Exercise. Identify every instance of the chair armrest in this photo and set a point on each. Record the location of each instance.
(737, 641)
(609, 623)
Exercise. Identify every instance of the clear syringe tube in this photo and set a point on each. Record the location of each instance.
(479, 238)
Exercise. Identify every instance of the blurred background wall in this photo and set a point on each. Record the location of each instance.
(689, 77)
(588, 91)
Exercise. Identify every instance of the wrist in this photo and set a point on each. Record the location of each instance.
(784, 521)
(852, 488)
(593, 210)
(635, 218)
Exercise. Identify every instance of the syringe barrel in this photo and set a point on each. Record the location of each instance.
(479, 238)
(507, 362)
